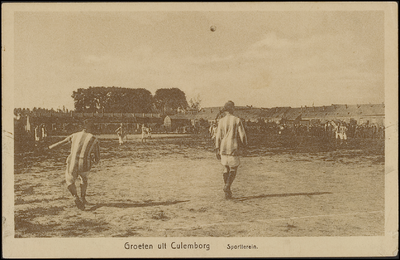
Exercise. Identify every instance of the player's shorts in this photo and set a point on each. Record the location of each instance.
(343, 136)
(230, 160)
(121, 139)
(72, 173)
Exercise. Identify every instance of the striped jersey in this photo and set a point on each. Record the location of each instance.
(85, 149)
(230, 134)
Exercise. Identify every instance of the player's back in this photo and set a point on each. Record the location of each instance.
(228, 126)
(230, 132)
(83, 145)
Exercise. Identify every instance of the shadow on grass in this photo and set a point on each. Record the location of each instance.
(279, 195)
(135, 204)
(25, 228)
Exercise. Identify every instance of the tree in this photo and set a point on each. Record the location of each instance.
(195, 103)
(113, 100)
(169, 100)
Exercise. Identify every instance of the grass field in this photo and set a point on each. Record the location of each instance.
(172, 186)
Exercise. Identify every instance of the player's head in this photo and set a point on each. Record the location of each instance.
(229, 106)
(88, 125)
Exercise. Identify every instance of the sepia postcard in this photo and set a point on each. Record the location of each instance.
(179, 130)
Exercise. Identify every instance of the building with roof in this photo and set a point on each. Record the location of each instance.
(172, 122)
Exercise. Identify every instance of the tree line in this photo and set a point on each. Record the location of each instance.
(123, 100)
(128, 100)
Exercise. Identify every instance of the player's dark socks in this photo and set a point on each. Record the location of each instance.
(72, 189)
(229, 181)
(83, 190)
(225, 175)
(227, 188)
(227, 191)
(231, 178)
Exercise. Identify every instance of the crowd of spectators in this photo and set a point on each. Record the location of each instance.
(326, 129)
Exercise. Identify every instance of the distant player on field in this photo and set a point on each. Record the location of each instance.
(146, 133)
(121, 134)
(44, 131)
(342, 132)
(213, 131)
(85, 150)
(230, 137)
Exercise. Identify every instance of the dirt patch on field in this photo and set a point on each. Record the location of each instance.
(172, 186)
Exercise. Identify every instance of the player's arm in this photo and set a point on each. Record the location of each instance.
(242, 134)
(66, 140)
(218, 138)
(96, 152)
(243, 139)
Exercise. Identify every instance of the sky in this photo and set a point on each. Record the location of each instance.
(259, 58)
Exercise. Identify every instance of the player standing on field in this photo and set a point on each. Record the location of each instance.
(85, 150)
(121, 134)
(146, 133)
(213, 131)
(230, 138)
